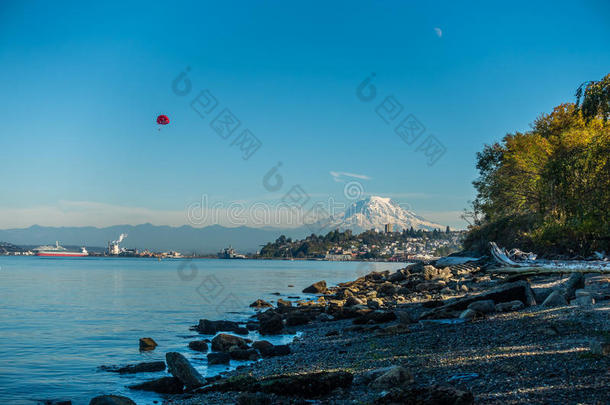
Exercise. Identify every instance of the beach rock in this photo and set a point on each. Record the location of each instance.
(181, 368)
(599, 347)
(386, 288)
(284, 303)
(583, 300)
(270, 323)
(375, 317)
(260, 304)
(434, 395)
(468, 314)
(324, 317)
(316, 288)
(147, 344)
(517, 290)
(306, 385)
(353, 301)
(297, 318)
(218, 358)
(207, 327)
(244, 354)
(396, 376)
(111, 400)
(509, 306)
(555, 299)
(432, 273)
(199, 345)
(267, 349)
(484, 306)
(374, 303)
(163, 385)
(575, 281)
(223, 342)
(145, 367)
(397, 276)
(430, 285)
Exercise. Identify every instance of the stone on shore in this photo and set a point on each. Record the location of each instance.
(267, 349)
(199, 345)
(316, 288)
(147, 344)
(396, 376)
(270, 323)
(163, 385)
(284, 303)
(218, 358)
(375, 317)
(509, 306)
(469, 314)
(244, 354)
(111, 400)
(555, 299)
(181, 368)
(223, 342)
(260, 304)
(207, 327)
(484, 306)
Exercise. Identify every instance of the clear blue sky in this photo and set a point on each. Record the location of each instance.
(82, 84)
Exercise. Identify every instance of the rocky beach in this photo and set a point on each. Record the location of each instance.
(425, 334)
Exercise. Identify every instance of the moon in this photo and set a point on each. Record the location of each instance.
(439, 32)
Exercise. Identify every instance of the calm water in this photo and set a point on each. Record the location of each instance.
(60, 319)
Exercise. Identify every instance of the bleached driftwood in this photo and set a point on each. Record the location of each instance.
(501, 256)
(543, 271)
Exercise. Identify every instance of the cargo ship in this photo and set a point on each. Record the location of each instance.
(59, 251)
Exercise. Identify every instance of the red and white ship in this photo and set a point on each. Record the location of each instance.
(59, 251)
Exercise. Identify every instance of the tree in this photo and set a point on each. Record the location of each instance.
(593, 98)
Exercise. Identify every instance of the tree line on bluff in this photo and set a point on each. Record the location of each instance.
(548, 189)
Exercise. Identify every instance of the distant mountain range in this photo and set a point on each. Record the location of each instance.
(370, 212)
(376, 212)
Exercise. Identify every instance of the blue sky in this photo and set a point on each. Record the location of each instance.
(82, 85)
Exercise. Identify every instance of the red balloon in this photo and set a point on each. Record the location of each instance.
(162, 120)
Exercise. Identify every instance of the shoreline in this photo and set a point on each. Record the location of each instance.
(489, 356)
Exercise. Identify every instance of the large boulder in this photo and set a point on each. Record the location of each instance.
(111, 400)
(284, 303)
(394, 377)
(181, 368)
(163, 385)
(297, 318)
(207, 327)
(316, 288)
(270, 323)
(517, 290)
(375, 317)
(509, 306)
(267, 349)
(223, 342)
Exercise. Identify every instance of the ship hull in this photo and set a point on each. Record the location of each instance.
(64, 254)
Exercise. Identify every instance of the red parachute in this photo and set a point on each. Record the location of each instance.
(162, 120)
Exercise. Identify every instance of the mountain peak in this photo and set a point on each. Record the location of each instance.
(376, 212)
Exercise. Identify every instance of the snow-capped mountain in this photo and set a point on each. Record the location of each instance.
(376, 212)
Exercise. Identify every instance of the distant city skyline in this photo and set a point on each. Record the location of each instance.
(342, 100)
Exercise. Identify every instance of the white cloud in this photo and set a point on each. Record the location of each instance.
(439, 32)
(340, 177)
